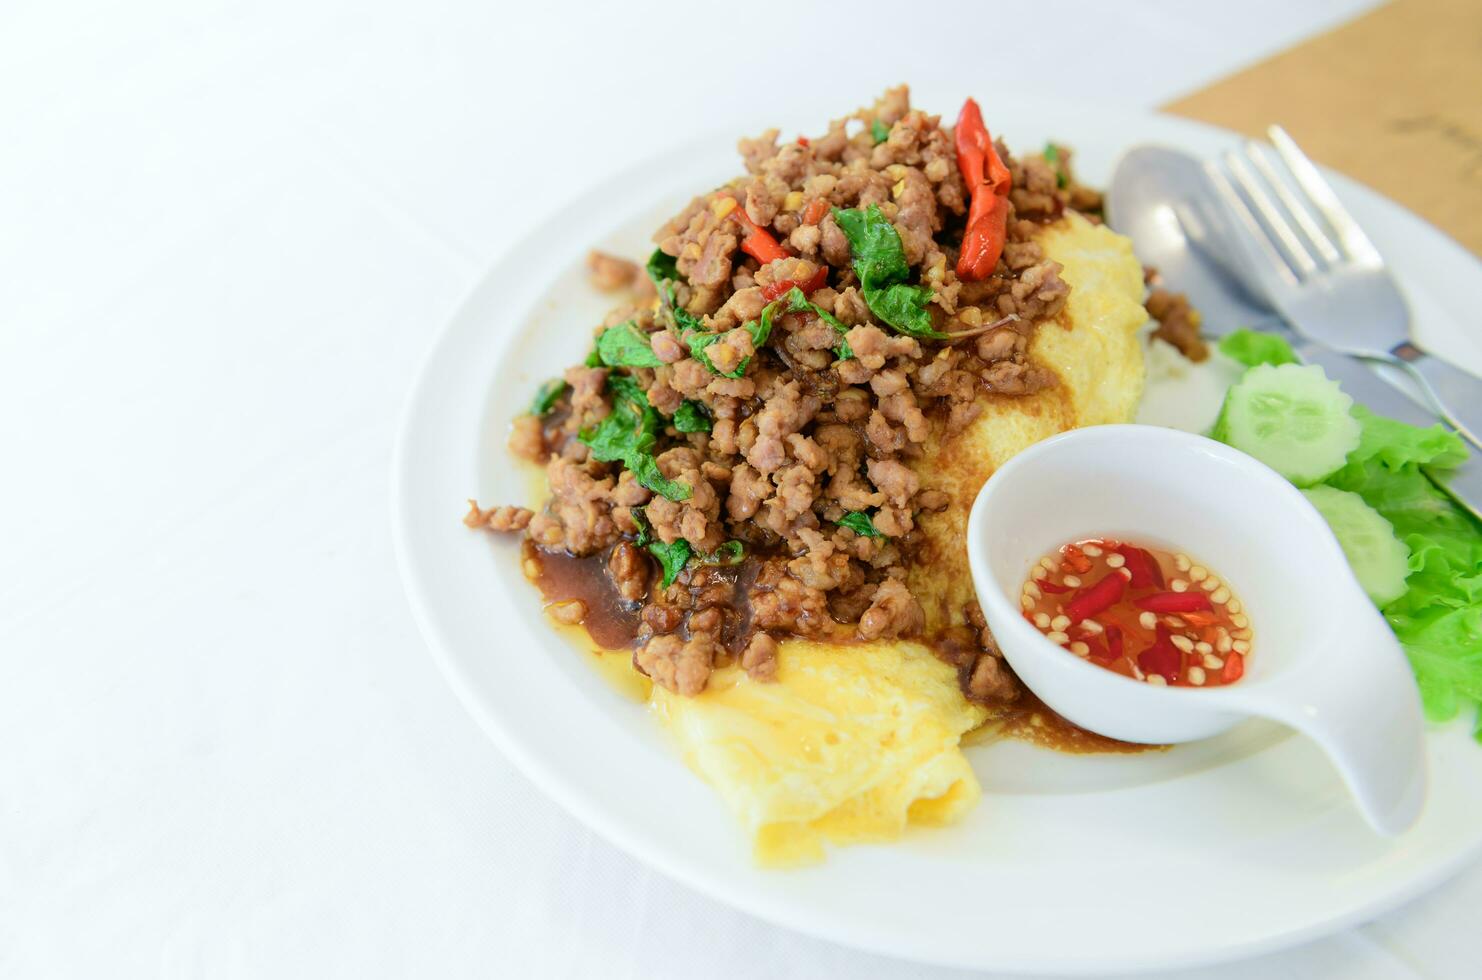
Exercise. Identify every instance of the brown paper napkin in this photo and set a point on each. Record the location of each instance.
(1393, 99)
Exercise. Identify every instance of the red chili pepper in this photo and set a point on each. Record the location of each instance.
(1234, 668)
(1160, 658)
(1098, 651)
(802, 141)
(1097, 598)
(817, 208)
(989, 183)
(1144, 567)
(1114, 641)
(1054, 588)
(1076, 560)
(1173, 602)
(808, 286)
(758, 243)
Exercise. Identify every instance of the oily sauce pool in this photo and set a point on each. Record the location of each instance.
(1149, 614)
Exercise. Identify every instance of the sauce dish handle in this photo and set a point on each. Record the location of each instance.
(1368, 721)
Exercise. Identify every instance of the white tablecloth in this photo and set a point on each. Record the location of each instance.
(228, 231)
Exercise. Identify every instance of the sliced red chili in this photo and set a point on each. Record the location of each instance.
(1234, 668)
(1096, 598)
(988, 181)
(1054, 588)
(808, 286)
(758, 243)
(1114, 640)
(1173, 602)
(802, 141)
(1144, 568)
(1160, 658)
(814, 212)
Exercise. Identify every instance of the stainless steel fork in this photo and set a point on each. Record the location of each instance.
(1320, 271)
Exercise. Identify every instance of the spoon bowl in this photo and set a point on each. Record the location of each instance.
(1323, 660)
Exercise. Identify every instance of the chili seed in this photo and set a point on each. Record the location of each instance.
(1032, 590)
(1060, 624)
(1147, 621)
(1182, 642)
(1137, 672)
(1203, 647)
(1196, 676)
(1125, 573)
(1048, 564)
(1182, 563)
(1241, 647)
(1241, 634)
(1090, 551)
(1157, 679)
(1213, 662)
(1073, 581)
(1210, 584)
(1198, 573)
(1080, 649)
(1234, 606)
(1223, 643)
(1026, 603)
(1092, 627)
(1042, 620)
(1220, 596)
(1179, 585)
(1240, 620)
(1115, 560)
(1055, 636)
(1175, 622)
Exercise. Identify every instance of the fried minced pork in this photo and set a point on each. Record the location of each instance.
(807, 459)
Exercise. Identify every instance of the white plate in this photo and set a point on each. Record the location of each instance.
(1070, 863)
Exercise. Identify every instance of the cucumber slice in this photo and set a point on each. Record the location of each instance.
(1292, 418)
(1380, 560)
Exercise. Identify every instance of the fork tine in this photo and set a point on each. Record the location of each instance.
(1352, 238)
(1301, 260)
(1310, 229)
(1237, 205)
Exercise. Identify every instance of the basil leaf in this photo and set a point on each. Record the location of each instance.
(662, 266)
(646, 469)
(797, 303)
(880, 264)
(691, 417)
(904, 308)
(645, 529)
(628, 435)
(547, 395)
(594, 359)
(729, 553)
(626, 346)
(700, 340)
(1052, 154)
(859, 522)
(879, 132)
(879, 257)
(672, 557)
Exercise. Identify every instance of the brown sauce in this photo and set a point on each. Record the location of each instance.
(614, 624)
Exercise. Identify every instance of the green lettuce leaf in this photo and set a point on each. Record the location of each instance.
(1250, 347)
(1438, 619)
